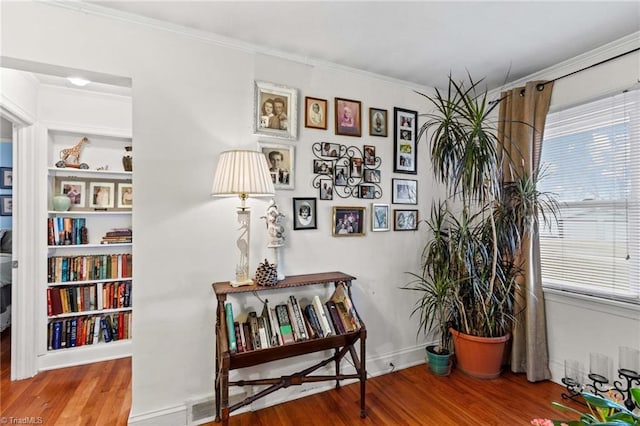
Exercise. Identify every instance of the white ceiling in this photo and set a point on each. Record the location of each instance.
(419, 42)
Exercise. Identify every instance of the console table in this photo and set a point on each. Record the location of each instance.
(341, 344)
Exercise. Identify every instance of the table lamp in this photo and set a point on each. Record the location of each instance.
(243, 174)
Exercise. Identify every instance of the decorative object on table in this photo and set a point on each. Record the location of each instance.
(281, 161)
(405, 220)
(348, 117)
(6, 177)
(377, 122)
(266, 274)
(70, 157)
(348, 222)
(127, 159)
(304, 213)
(404, 191)
(244, 174)
(405, 156)
(315, 110)
(101, 195)
(599, 379)
(76, 191)
(379, 217)
(61, 203)
(275, 233)
(275, 110)
(342, 170)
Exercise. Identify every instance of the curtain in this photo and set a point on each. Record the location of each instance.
(523, 111)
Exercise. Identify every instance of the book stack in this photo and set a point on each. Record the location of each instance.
(118, 236)
(288, 322)
(90, 267)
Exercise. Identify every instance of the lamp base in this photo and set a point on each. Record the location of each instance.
(241, 283)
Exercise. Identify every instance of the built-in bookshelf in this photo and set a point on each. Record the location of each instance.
(89, 270)
(287, 330)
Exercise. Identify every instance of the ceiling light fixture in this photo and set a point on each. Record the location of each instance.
(78, 81)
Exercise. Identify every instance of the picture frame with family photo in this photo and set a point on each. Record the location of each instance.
(275, 110)
(405, 158)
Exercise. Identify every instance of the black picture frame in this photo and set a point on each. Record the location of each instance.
(405, 156)
(6, 177)
(6, 205)
(300, 205)
(405, 220)
(404, 191)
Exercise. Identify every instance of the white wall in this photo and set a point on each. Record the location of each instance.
(191, 100)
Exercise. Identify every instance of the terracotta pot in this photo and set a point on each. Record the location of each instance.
(479, 357)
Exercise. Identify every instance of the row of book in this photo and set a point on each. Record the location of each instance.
(88, 330)
(82, 298)
(289, 322)
(66, 231)
(62, 269)
(118, 236)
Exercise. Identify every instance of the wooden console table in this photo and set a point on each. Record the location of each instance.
(341, 344)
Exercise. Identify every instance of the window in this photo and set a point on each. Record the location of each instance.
(591, 161)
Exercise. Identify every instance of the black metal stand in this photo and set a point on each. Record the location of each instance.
(599, 386)
(630, 377)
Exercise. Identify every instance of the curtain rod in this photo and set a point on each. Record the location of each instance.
(538, 86)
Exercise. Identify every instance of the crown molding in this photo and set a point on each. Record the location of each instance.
(218, 40)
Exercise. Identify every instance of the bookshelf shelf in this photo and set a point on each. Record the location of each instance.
(83, 299)
(341, 344)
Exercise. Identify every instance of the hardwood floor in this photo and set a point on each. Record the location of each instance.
(100, 394)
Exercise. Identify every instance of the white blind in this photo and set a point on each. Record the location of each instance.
(591, 158)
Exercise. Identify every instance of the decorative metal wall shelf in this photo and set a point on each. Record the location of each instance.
(352, 183)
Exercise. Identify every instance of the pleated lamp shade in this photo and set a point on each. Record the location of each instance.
(243, 173)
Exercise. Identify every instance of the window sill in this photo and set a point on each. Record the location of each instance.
(608, 306)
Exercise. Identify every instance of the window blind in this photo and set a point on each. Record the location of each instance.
(591, 161)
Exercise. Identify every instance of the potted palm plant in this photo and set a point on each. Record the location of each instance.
(480, 231)
(435, 287)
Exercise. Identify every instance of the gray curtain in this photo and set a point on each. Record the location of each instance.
(523, 113)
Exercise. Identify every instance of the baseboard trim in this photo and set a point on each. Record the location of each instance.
(173, 416)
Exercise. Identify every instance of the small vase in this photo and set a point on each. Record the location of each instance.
(61, 203)
(127, 159)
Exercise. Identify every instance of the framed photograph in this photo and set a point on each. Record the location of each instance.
(6, 205)
(356, 167)
(377, 122)
(76, 191)
(366, 191)
(125, 195)
(6, 177)
(281, 161)
(304, 213)
(405, 220)
(315, 111)
(322, 167)
(275, 110)
(348, 117)
(326, 189)
(102, 195)
(369, 155)
(405, 159)
(379, 217)
(341, 175)
(348, 221)
(372, 175)
(404, 191)
(331, 150)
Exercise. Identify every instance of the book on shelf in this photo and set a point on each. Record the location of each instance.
(118, 236)
(297, 312)
(314, 323)
(262, 333)
(270, 319)
(341, 297)
(319, 310)
(335, 317)
(231, 333)
(66, 230)
(88, 267)
(239, 336)
(294, 323)
(284, 323)
(246, 332)
(254, 330)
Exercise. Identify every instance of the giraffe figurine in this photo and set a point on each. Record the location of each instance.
(73, 152)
